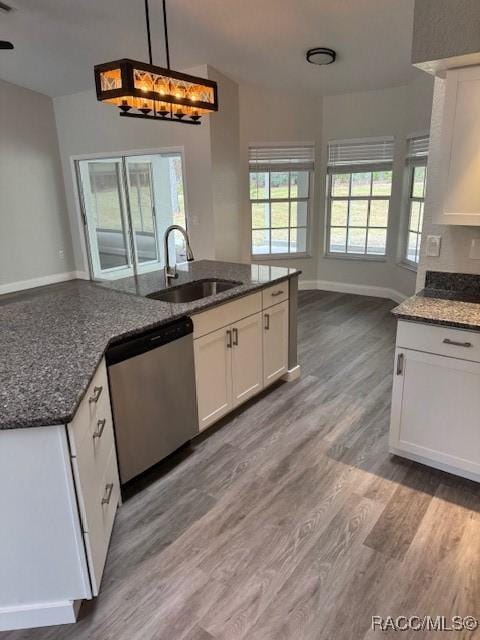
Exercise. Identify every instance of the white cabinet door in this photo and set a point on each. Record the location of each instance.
(460, 160)
(213, 373)
(275, 342)
(247, 366)
(436, 410)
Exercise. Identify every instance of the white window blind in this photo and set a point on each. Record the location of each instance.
(281, 158)
(418, 147)
(343, 153)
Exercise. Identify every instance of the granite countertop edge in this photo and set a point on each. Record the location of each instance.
(439, 311)
(172, 312)
(435, 321)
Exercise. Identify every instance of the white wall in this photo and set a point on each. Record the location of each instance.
(86, 126)
(226, 170)
(398, 111)
(33, 222)
(269, 117)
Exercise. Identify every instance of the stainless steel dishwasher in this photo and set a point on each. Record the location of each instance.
(152, 386)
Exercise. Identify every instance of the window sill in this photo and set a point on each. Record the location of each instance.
(409, 266)
(259, 257)
(354, 258)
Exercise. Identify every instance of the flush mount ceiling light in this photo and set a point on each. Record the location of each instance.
(143, 90)
(321, 55)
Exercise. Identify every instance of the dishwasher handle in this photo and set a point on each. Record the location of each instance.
(136, 345)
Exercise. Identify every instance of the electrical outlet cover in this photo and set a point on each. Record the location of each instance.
(475, 249)
(433, 246)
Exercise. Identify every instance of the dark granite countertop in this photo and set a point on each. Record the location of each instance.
(53, 338)
(449, 299)
(251, 277)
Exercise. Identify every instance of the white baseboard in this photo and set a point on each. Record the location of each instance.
(292, 374)
(44, 614)
(358, 289)
(21, 285)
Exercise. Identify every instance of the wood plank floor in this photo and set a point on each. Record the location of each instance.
(290, 520)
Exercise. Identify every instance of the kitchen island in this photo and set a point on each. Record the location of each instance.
(58, 459)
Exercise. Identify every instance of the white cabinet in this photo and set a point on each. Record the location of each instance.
(213, 374)
(228, 368)
(275, 342)
(435, 415)
(247, 369)
(94, 465)
(239, 348)
(60, 510)
(460, 141)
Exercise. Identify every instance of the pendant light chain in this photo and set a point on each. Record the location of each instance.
(143, 90)
(167, 48)
(147, 18)
(165, 28)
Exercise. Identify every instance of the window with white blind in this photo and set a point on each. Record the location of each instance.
(358, 196)
(281, 183)
(417, 156)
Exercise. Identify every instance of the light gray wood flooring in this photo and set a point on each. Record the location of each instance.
(290, 520)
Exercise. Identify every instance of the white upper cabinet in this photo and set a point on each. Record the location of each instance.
(460, 149)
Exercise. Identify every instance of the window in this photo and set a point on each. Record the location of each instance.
(417, 176)
(127, 203)
(358, 197)
(280, 195)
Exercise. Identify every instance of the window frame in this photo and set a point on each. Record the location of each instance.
(350, 169)
(86, 245)
(411, 165)
(289, 168)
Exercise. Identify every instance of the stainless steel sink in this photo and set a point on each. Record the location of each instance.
(191, 291)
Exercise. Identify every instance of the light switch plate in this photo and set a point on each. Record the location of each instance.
(475, 249)
(433, 246)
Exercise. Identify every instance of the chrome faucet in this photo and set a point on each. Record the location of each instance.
(171, 272)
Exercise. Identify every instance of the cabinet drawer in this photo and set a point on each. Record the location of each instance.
(101, 516)
(226, 314)
(94, 407)
(444, 341)
(274, 295)
(92, 455)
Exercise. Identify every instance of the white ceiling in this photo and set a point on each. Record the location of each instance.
(57, 42)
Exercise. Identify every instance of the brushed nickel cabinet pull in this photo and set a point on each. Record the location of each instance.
(400, 359)
(456, 344)
(235, 337)
(267, 322)
(100, 427)
(277, 293)
(229, 339)
(97, 392)
(108, 493)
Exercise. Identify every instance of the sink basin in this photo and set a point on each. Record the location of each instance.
(191, 291)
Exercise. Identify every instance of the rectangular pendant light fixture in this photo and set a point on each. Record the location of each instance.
(143, 90)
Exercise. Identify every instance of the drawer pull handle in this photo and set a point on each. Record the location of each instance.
(229, 339)
(267, 322)
(400, 358)
(97, 392)
(235, 337)
(100, 427)
(277, 293)
(456, 344)
(108, 493)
